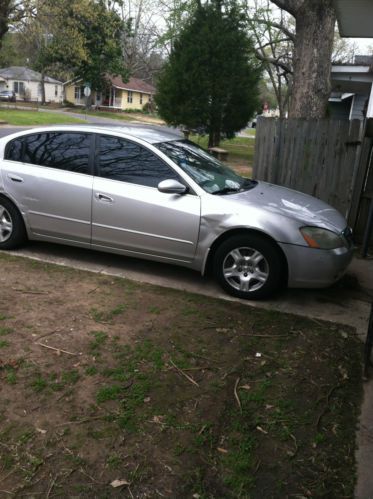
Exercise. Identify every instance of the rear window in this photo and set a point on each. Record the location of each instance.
(13, 150)
(61, 150)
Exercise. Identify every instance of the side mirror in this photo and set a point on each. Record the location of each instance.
(172, 187)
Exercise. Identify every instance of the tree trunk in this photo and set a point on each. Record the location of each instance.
(313, 47)
(42, 86)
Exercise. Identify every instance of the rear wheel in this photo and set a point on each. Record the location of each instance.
(12, 228)
(249, 266)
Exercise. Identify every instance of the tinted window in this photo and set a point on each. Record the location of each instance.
(129, 162)
(13, 150)
(62, 150)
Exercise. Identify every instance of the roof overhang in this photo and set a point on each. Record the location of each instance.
(355, 18)
(341, 97)
(128, 89)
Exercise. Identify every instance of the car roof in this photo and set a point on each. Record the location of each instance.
(149, 133)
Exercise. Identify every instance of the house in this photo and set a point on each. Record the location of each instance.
(352, 96)
(26, 83)
(354, 19)
(119, 95)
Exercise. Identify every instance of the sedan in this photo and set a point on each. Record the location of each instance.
(8, 96)
(146, 192)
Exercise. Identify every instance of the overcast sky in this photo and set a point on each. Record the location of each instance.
(363, 44)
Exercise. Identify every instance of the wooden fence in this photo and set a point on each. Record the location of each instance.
(317, 157)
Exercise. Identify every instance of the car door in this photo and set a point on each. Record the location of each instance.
(130, 214)
(49, 176)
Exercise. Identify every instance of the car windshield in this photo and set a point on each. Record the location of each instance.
(208, 172)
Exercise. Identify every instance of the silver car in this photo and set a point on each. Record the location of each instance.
(148, 193)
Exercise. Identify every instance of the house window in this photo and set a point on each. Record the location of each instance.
(140, 98)
(19, 87)
(129, 96)
(55, 90)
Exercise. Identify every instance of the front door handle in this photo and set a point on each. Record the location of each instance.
(103, 197)
(15, 178)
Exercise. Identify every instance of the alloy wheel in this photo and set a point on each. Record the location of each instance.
(245, 269)
(6, 224)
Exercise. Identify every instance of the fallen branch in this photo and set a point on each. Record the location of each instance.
(53, 481)
(236, 394)
(326, 407)
(55, 349)
(30, 292)
(46, 334)
(267, 335)
(81, 421)
(189, 378)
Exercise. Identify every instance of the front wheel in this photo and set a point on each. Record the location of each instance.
(249, 266)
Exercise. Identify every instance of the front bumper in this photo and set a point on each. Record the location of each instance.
(315, 268)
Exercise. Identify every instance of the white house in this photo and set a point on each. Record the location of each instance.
(352, 96)
(26, 83)
(355, 20)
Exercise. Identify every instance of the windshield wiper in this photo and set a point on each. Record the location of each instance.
(245, 186)
(248, 184)
(227, 190)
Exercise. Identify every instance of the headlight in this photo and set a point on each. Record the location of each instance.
(319, 238)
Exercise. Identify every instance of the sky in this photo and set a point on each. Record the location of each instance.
(363, 44)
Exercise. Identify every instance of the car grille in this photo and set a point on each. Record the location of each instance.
(347, 234)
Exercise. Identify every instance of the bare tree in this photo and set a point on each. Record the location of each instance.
(313, 48)
(273, 34)
(140, 47)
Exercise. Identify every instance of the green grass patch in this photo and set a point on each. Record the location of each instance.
(240, 149)
(5, 331)
(26, 118)
(107, 315)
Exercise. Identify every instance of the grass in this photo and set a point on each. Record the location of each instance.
(28, 118)
(179, 393)
(119, 115)
(104, 114)
(240, 149)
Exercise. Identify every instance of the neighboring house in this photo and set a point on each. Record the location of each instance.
(354, 20)
(119, 95)
(26, 83)
(352, 84)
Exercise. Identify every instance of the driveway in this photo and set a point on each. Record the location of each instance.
(348, 302)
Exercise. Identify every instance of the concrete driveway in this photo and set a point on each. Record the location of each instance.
(348, 302)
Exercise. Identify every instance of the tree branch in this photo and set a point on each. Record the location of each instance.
(290, 6)
(279, 26)
(275, 62)
(277, 41)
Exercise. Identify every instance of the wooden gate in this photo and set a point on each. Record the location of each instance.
(317, 157)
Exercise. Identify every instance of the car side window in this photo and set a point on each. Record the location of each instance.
(61, 150)
(13, 150)
(121, 159)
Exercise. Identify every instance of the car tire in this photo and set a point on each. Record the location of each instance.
(12, 227)
(249, 266)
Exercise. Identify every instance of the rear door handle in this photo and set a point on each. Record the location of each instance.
(103, 197)
(15, 178)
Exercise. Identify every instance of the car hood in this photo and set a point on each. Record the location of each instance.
(292, 204)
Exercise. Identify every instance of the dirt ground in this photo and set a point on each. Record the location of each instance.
(115, 389)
